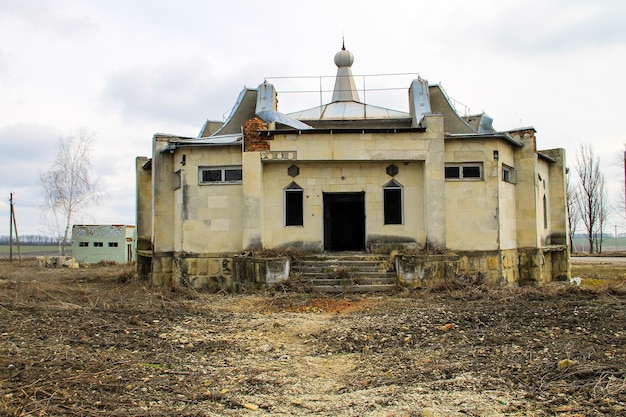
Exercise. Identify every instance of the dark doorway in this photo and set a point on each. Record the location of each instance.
(344, 221)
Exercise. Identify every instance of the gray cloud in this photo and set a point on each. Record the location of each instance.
(26, 149)
(559, 26)
(46, 17)
(172, 93)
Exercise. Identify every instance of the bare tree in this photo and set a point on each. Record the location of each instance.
(68, 184)
(573, 214)
(620, 162)
(591, 201)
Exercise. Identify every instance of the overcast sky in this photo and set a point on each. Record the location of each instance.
(126, 69)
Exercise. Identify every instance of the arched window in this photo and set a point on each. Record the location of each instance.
(392, 201)
(293, 205)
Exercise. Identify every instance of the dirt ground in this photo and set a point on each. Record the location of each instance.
(94, 342)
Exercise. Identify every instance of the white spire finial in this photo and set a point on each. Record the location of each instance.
(345, 88)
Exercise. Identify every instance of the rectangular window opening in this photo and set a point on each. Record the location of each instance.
(453, 172)
(464, 171)
(221, 175)
(83, 244)
(471, 171)
(232, 175)
(113, 244)
(98, 244)
(509, 174)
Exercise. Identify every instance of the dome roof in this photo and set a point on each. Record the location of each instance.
(344, 58)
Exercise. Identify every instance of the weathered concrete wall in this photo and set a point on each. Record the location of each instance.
(367, 153)
(423, 271)
(106, 242)
(221, 272)
(143, 221)
(526, 190)
(143, 179)
(495, 267)
(542, 265)
(253, 274)
(162, 269)
(472, 205)
(561, 265)
(208, 272)
(210, 216)
(529, 266)
(164, 182)
(559, 227)
(316, 178)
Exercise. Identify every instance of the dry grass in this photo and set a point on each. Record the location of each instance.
(92, 342)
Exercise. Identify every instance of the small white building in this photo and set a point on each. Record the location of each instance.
(104, 242)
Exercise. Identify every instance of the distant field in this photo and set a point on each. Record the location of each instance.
(580, 245)
(608, 245)
(32, 250)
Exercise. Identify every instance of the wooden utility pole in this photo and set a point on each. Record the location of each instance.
(11, 228)
(13, 224)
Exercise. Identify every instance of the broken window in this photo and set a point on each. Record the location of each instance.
(83, 244)
(221, 175)
(464, 171)
(177, 179)
(509, 174)
(294, 205)
(392, 202)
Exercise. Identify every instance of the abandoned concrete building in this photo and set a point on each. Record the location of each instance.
(432, 191)
(103, 242)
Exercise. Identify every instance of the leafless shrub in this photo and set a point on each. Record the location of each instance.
(295, 283)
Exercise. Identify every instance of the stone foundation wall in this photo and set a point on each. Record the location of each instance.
(533, 266)
(495, 267)
(423, 271)
(219, 272)
(243, 274)
(253, 274)
(161, 273)
(542, 265)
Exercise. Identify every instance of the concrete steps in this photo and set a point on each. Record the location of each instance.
(347, 272)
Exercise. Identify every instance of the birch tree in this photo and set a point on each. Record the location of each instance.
(620, 162)
(69, 185)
